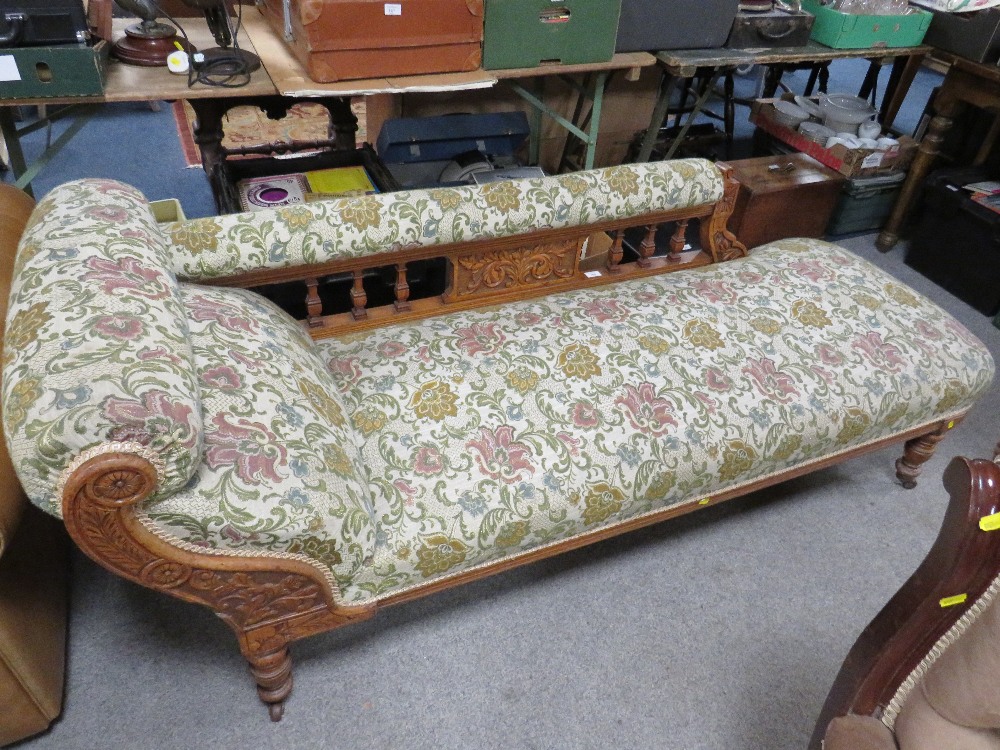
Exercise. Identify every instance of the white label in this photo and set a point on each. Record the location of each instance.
(872, 160)
(591, 274)
(393, 9)
(8, 69)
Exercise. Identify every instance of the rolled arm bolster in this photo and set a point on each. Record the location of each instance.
(205, 249)
(96, 347)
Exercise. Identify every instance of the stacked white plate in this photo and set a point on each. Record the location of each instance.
(816, 132)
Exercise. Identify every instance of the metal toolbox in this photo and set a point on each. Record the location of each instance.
(653, 25)
(527, 33)
(865, 203)
(975, 36)
(348, 39)
(775, 28)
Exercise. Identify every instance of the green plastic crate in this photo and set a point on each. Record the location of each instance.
(854, 31)
(528, 33)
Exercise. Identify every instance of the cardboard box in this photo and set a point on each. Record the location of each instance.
(64, 70)
(856, 162)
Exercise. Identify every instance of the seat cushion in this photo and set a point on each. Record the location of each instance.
(493, 432)
(282, 472)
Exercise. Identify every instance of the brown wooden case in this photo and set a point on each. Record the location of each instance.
(791, 195)
(343, 39)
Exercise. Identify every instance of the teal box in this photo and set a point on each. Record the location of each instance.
(856, 31)
(58, 71)
(529, 33)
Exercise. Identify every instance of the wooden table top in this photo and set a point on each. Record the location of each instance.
(134, 83)
(686, 61)
(291, 79)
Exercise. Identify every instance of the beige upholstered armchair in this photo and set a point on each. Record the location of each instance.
(925, 674)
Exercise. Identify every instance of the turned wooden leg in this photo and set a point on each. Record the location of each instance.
(917, 452)
(273, 674)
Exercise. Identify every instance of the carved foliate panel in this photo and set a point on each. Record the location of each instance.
(509, 270)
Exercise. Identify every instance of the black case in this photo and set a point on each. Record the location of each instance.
(956, 243)
(654, 25)
(975, 36)
(776, 28)
(37, 23)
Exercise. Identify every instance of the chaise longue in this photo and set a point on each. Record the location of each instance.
(298, 475)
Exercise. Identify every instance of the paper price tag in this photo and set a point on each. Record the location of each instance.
(951, 601)
(393, 9)
(8, 69)
(990, 523)
(872, 160)
(591, 274)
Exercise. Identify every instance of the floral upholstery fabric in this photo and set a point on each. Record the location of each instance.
(96, 346)
(204, 249)
(281, 471)
(494, 432)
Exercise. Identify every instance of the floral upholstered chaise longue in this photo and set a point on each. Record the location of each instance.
(296, 476)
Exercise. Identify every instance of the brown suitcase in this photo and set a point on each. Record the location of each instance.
(340, 40)
(783, 196)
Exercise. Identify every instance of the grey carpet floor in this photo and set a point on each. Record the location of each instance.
(722, 629)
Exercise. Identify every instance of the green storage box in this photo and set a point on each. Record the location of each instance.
(865, 203)
(64, 70)
(854, 31)
(528, 33)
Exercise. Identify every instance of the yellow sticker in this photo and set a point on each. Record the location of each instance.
(990, 523)
(951, 601)
(950, 425)
(706, 501)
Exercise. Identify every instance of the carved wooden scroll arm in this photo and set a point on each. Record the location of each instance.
(715, 237)
(268, 601)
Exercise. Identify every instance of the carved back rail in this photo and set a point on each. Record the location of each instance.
(480, 273)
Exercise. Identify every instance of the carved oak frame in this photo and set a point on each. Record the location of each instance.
(270, 601)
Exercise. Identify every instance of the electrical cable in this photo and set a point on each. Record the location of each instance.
(222, 71)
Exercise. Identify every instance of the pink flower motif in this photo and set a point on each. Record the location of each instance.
(155, 414)
(715, 291)
(204, 309)
(830, 356)
(585, 415)
(961, 331)
(772, 383)
(647, 297)
(812, 270)
(250, 363)
(158, 354)
(250, 447)
(123, 327)
(500, 456)
(750, 277)
(428, 461)
(825, 374)
(391, 349)
(424, 353)
(406, 490)
(126, 273)
(927, 331)
(717, 380)
(884, 356)
(346, 369)
(648, 413)
(572, 444)
(222, 377)
(604, 310)
(480, 338)
(710, 403)
(527, 319)
(110, 214)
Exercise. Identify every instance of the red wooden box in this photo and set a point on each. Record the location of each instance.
(340, 40)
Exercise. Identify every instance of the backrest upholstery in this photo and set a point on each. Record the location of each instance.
(957, 703)
(204, 249)
(96, 347)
